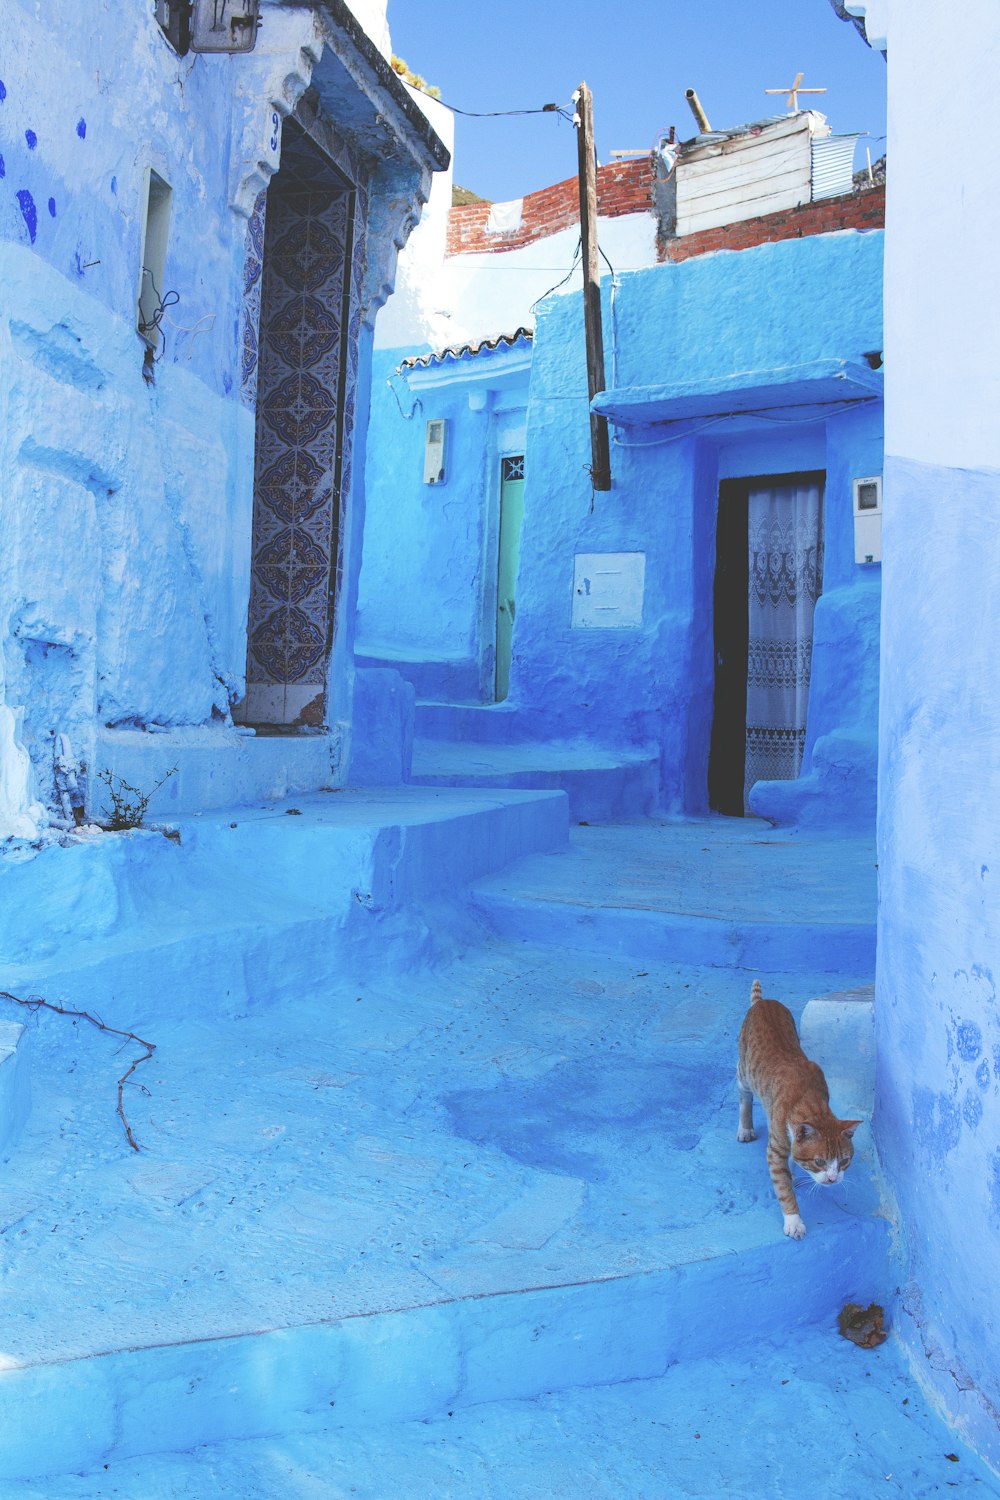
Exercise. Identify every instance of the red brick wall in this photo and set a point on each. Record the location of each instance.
(864, 210)
(624, 187)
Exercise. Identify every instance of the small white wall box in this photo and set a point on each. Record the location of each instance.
(868, 520)
(608, 589)
(435, 451)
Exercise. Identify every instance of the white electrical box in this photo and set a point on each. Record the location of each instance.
(608, 589)
(435, 451)
(868, 520)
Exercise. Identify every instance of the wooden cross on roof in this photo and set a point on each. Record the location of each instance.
(794, 92)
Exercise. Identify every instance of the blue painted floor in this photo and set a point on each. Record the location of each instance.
(504, 1169)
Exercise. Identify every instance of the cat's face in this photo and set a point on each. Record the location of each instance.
(824, 1154)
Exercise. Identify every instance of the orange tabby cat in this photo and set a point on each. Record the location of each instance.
(793, 1091)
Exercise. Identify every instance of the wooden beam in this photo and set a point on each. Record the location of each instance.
(600, 451)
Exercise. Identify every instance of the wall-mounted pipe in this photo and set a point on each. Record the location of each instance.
(697, 111)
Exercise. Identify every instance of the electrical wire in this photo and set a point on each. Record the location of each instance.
(496, 114)
(155, 321)
(577, 253)
(406, 415)
(674, 437)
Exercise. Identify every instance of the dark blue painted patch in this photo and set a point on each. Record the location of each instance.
(52, 207)
(972, 1109)
(31, 138)
(937, 1122)
(949, 1130)
(114, 185)
(923, 1117)
(3, 91)
(29, 212)
(983, 1074)
(969, 1040)
(580, 1118)
(81, 129)
(3, 167)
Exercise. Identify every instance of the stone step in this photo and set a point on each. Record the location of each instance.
(727, 892)
(397, 1195)
(256, 904)
(602, 784)
(817, 1417)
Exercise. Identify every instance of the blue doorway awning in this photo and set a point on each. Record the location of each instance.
(820, 383)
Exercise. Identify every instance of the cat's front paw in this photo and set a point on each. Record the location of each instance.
(746, 1135)
(794, 1227)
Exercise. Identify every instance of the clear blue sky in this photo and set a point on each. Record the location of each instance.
(638, 57)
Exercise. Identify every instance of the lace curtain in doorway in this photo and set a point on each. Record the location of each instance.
(785, 535)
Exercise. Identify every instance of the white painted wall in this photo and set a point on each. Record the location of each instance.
(371, 15)
(943, 311)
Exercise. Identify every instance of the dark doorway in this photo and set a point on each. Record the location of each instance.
(729, 721)
(768, 575)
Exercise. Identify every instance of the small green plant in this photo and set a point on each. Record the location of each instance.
(128, 803)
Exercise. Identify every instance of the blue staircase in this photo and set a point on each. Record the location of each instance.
(433, 1199)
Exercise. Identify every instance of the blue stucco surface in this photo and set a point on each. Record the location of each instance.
(938, 1025)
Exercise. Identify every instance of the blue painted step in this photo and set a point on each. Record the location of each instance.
(404, 1193)
(725, 891)
(817, 1417)
(602, 784)
(260, 903)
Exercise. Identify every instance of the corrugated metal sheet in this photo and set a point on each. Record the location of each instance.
(759, 170)
(832, 166)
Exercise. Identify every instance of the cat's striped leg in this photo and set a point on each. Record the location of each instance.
(777, 1161)
(746, 1131)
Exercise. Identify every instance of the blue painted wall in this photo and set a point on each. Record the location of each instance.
(937, 1016)
(937, 1110)
(429, 552)
(125, 534)
(427, 602)
(763, 308)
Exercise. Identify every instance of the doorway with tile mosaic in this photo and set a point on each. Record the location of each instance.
(299, 366)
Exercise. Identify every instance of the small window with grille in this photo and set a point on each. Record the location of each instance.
(513, 468)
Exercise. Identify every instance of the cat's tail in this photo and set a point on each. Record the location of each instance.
(756, 993)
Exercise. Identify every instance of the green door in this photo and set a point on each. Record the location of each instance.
(511, 513)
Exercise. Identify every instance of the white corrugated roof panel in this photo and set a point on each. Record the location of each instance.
(832, 165)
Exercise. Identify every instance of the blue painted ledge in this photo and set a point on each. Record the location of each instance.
(821, 382)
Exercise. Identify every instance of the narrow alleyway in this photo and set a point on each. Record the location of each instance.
(467, 1215)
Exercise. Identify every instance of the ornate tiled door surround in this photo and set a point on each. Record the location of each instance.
(299, 367)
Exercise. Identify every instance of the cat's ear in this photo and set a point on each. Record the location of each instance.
(804, 1131)
(848, 1127)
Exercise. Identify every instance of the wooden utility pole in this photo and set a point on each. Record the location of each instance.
(600, 466)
